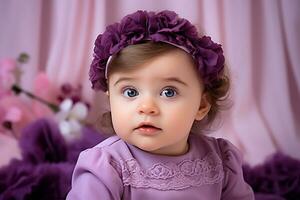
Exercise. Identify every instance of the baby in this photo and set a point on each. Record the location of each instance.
(164, 83)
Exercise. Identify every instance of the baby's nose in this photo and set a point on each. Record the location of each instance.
(148, 106)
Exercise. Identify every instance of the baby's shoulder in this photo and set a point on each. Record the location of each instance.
(226, 151)
(110, 150)
(109, 143)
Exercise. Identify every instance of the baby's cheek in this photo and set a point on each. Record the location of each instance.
(120, 123)
(183, 119)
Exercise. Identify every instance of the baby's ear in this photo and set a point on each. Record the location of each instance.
(203, 108)
(107, 97)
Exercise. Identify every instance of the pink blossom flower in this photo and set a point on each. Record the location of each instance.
(15, 111)
(13, 114)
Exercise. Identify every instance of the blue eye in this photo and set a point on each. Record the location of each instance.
(168, 92)
(130, 92)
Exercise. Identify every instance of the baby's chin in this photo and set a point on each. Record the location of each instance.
(147, 146)
(157, 150)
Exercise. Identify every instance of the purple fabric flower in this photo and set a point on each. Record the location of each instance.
(165, 26)
(21, 180)
(259, 196)
(279, 176)
(41, 142)
(48, 161)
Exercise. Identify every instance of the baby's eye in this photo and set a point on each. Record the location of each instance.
(168, 92)
(130, 92)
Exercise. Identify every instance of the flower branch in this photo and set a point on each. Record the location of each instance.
(18, 90)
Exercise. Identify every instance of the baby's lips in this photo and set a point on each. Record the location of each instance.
(147, 125)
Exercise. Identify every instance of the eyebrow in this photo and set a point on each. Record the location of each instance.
(123, 79)
(169, 79)
(175, 79)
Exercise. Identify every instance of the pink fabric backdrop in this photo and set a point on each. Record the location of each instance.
(260, 39)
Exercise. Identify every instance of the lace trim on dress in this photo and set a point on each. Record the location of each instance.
(173, 176)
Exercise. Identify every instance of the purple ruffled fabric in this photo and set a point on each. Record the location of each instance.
(277, 178)
(42, 142)
(48, 161)
(21, 180)
(165, 26)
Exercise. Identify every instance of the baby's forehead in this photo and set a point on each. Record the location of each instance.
(175, 66)
(166, 63)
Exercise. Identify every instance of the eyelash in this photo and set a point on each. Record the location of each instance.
(170, 88)
(129, 88)
(175, 90)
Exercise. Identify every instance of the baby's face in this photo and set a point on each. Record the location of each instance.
(154, 106)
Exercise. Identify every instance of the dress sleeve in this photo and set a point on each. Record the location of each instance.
(235, 187)
(95, 177)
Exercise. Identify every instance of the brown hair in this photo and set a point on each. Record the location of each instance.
(135, 55)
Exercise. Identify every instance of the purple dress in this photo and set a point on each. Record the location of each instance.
(210, 170)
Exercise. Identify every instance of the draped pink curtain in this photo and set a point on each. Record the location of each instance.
(260, 38)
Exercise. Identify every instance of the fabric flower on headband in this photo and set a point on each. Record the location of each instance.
(165, 26)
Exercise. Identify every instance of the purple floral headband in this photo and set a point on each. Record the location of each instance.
(165, 26)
